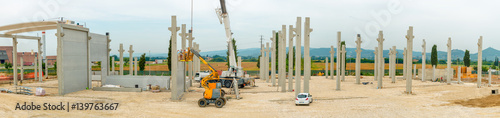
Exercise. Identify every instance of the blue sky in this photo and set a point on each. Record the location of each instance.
(145, 23)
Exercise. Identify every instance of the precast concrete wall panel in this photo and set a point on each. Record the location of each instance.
(99, 52)
(73, 61)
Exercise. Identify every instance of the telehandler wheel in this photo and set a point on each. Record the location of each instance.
(225, 100)
(202, 102)
(227, 84)
(219, 103)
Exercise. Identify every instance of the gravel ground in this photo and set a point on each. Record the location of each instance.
(429, 99)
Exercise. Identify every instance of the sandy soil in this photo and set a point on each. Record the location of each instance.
(429, 99)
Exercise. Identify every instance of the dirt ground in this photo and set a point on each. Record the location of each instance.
(429, 99)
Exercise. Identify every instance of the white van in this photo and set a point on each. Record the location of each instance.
(200, 75)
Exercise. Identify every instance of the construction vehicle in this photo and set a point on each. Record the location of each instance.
(234, 72)
(213, 92)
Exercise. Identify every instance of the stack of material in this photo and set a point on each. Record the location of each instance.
(155, 89)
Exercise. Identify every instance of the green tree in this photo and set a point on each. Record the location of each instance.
(496, 61)
(55, 65)
(169, 55)
(434, 58)
(277, 50)
(235, 53)
(467, 58)
(142, 62)
(7, 65)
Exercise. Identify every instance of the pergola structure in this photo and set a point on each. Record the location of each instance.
(73, 51)
(14, 53)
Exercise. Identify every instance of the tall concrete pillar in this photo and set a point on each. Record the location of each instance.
(404, 63)
(489, 77)
(135, 65)
(479, 61)
(273, 59)
(22, 68)
(449, 72)
(113, 65)
(14, 59)
(338, 60)
(298, 54)
(343, 63)
(393, 64)
(290, 58)
(279, 55)
(268, 49)
(121, 58)
(375, 64)
(307, 57)
(198, 63)
(40, 53)
(184, 36)
(177, 90)
(433, 72)
(409, 62)
(131, 61)
(338, 70)
(36, 69)
(192, 64)
(459, 74)
(283, 59)
(358, 58)
(423, 61)
(332, 51)
(261, 63)
(326, 67)
(414, 71)
(381, 59)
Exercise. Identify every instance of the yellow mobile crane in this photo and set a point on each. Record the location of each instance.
(213, 92)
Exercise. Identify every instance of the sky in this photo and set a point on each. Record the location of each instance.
(144, 23)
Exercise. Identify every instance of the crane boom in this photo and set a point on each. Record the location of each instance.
(224, 18)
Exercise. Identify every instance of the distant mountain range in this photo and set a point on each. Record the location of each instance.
(488, 53)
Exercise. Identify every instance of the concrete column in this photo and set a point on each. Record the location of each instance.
(273, 59)
(338, 72)
(14, 59)
(326, 67)
(307, 57)
(332, 51)
(175, 95)
(409, 62)
(298, 54)
(290, 58)
(414, 71)
(449, 72)
(279, 56)
(261, 63)
(343, 63)
(358, 58)
(433, 72)
(198, 63)
(283, 59)
(113, 65)
(36, 69)
(121, 58)
(381, 59)
(338, 61)
(489, 77)
(40, 53)
(375, 64)
(131, 61)
(479, 61)
(184, 36)
(423, 61)
(192, 64)
(393, 64)
(459, 74)
(404, 63)
(135, 65)
(268, 49)
(22, 68)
